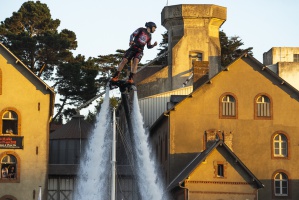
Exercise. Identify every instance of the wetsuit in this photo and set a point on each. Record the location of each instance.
(140, 37)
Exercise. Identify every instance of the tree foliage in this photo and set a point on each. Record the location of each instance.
(108, 65)
(76, 83)
(230, 48)
(32, 35)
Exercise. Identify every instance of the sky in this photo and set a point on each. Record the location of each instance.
(103, 26)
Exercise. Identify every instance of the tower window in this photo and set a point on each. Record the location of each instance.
(296, 57)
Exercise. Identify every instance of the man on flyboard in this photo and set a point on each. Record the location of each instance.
(138, 39)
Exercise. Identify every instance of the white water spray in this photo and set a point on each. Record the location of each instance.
(95, 165)
(149, 182)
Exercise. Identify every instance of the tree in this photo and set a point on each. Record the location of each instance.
(108, 65)
(31, 34)
(230, 48)
(76, 83)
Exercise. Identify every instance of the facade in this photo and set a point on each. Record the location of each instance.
(193, 35)
(230, 176)
(26, 108)
(254, 109)
(284, 61)
(67, 145)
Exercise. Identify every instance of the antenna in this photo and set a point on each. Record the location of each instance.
(167, 3)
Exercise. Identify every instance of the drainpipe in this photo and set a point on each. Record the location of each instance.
(186, 189)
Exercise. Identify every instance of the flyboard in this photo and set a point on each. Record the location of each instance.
(125, 89)
(122, 85)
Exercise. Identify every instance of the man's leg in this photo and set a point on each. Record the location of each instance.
(133, 70)
(120, 67)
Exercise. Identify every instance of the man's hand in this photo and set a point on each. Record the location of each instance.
(131, 43)
(155, 44)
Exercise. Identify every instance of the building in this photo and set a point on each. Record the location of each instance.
(26, 108)
(254, 110)
(219, 162)
(284, 61)
(67, 145)
(259, 123)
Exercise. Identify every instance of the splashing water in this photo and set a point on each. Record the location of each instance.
(150, 185)
(94, 165)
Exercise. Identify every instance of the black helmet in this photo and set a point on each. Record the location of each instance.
(150, 25)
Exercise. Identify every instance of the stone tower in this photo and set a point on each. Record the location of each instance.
(193, 35)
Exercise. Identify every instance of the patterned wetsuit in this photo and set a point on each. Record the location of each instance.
(140, 37)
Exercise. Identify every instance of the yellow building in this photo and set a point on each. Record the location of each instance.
(253, 110)
(248, 106)
(26, 108)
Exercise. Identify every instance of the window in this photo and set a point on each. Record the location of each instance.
(8, 167)
(220, 172)
(296, 57)
(61, 186)
(228, 106)
(281, 184)
(220, 169)
(280, 146)
(263, 107)
(195, 56)
(10, 123)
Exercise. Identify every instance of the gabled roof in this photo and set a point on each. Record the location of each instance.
(262, 69)
(76, 128)
(19, 61)
(52, 92)
(201, 157)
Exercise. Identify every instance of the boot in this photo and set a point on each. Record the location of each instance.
(130, 80)
(115, 76)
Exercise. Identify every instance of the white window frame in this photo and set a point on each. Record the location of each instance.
(228, 106)
(263, 106)
(279, 180)
(282, 145)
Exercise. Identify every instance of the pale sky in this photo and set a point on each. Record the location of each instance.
(103, 26)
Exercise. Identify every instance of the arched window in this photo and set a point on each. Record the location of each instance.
(228, 106)
(280, 145)
(280, 148)
(8, 197)
(10, 122)
(0, 81)
(281, 184)
(8, 167)
(263, 107)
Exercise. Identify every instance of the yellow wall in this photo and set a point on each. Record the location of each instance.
(251, 138)
(23, 91)
(203, 184)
